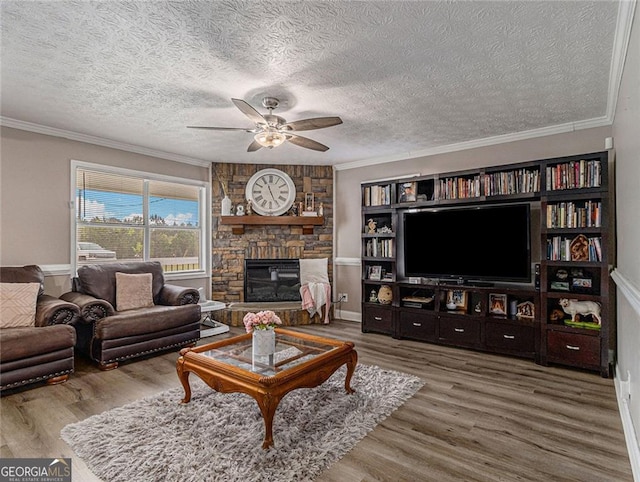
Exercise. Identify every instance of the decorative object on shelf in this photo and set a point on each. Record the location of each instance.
(497, 304)
(226, 206)
(309, 202)
(385, 295)
(321, 210)
(407, 192)
(294, 210)
(300, 208)
(384, 230)
(371, 225)
(478, 307)
(249, 209)
(239, 210)
(579, 248)
(226, 201)
(513, 307)
(582, 308)
(375, 273)
(526, 310)
(560, 281)
(271, 192)
(373, 296)
(457, 300)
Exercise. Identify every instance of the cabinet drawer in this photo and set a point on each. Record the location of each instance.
(378, 319)
(419, 326)
(511, 337)
(456, 330)
(573, 349)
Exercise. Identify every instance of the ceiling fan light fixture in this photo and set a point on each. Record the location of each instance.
(270, 139)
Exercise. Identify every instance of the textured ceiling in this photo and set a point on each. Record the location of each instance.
(405, 77)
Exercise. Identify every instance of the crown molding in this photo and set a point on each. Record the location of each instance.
(99, 141)
(620, 47)
(485, 142)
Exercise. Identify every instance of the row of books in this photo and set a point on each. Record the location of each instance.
(572, 215)
(574, 174)
(379, 248)
(560, 249)
(512, 182)
(458, 188)
(377, 195)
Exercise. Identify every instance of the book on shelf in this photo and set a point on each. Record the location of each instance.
(574, 175)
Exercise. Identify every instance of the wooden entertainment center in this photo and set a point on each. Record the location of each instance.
(519, 319)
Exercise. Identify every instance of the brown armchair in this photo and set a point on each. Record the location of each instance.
(45, 350)
(109, 333)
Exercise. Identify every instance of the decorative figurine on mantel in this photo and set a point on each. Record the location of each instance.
(249, 210)
(300, 208)
(320, 210)
(239, 210)
(371, 224)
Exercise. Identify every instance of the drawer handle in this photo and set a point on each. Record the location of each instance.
(459, 330)
(572, 347)
(377, 318)
(417, 324)
(509, 337)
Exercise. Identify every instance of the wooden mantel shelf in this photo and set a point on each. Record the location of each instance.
(239, 222)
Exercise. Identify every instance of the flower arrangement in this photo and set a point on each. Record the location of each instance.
(263, 320)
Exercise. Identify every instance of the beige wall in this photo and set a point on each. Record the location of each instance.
(626, 138)
(347, 217)
(35, 176)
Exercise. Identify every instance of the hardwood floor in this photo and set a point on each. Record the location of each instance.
(479, 417)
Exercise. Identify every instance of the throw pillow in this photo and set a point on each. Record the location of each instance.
(18, 304)
(133, 291)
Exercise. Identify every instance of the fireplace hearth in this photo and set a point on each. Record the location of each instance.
(271, 280)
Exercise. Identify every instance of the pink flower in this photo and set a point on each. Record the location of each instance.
(263, 320)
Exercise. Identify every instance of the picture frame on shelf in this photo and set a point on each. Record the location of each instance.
(376, 273)
(497, 304)
(407, 192)
(457, 300)
(309, 202)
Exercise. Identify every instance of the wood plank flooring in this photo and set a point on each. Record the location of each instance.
(479, 417)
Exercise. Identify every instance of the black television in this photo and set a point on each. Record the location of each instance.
(489, 243)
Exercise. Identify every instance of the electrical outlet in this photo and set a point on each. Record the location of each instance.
(343, 297)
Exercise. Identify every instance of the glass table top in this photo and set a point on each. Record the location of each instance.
(290, 352)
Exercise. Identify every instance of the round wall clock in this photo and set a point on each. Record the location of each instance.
(271, 192)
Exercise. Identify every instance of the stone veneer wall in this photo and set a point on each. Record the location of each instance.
(263, 242)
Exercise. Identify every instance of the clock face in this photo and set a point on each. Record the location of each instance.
(271, 192)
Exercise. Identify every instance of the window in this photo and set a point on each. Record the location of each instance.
(122, 215)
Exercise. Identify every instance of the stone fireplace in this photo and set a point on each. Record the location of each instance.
(271, 280)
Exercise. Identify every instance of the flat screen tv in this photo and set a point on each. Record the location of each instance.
(484, 243)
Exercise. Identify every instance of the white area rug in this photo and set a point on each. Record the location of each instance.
(218, 437)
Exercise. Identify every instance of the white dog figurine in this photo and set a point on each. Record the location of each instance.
(574, 307)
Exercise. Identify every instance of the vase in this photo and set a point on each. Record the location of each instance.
(226, 206)
(264, 342)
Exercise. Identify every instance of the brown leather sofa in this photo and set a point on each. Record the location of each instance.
(108, 336)
(43, 352)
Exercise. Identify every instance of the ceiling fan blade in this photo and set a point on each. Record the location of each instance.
(254, 146)
(250, 112)
(306, 142)
(222, 128)
(315, 123)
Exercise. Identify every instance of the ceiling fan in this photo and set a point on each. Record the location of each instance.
(272, 130)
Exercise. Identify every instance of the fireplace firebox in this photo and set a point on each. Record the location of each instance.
(271, 280)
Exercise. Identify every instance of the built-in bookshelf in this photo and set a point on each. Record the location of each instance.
(576, 252)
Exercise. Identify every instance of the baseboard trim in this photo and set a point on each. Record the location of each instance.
(622, 396)
(347, 315)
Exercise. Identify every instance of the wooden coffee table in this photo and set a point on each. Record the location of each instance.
(300, 361)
